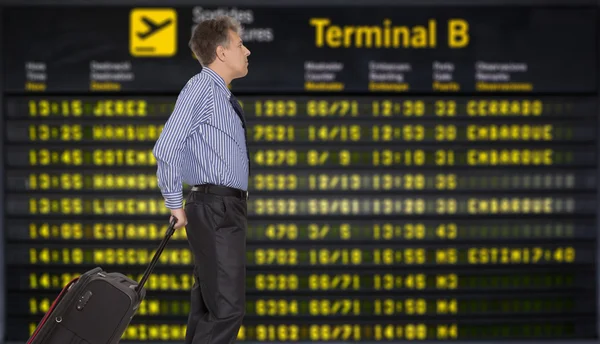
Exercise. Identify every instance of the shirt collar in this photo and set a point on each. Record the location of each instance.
(217, 79)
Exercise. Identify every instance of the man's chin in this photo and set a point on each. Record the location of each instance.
(241, 72)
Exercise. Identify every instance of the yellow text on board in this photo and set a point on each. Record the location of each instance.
(388, 35)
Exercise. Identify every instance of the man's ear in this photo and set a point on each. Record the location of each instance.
(220, 53)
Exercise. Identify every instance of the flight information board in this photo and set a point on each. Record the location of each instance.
(418, 173)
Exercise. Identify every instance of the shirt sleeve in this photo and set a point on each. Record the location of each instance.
(191, 108)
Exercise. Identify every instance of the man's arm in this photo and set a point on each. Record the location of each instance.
(191, 109)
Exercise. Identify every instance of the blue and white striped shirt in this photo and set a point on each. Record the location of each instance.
(202, 142)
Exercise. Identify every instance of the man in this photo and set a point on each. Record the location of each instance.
(203, 144)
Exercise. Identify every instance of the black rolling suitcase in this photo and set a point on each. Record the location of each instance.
(96, 307)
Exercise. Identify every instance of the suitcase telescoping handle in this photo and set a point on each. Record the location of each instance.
(161, 247)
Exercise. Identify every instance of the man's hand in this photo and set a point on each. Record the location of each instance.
(180, 215)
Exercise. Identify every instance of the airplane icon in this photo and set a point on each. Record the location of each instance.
(153, 27)
(152, 32)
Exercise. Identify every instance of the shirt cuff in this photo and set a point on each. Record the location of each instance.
(173, 200)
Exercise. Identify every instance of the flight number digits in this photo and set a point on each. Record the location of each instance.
(272, 182)
(270, 206)
(277, 333)
(281, 231)
(279, 157)
(280, 307)
(275, 108)
(273, 133)
(276, 256)
(276, 282)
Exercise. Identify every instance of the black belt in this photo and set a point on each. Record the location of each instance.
(220, 190)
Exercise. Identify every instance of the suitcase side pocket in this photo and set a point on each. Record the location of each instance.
(63, 335)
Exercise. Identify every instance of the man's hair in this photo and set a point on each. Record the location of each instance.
(209, 34)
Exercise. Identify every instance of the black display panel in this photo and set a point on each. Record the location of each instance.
(299, 49)
(419, 173)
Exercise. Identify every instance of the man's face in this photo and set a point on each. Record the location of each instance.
(237, 56)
